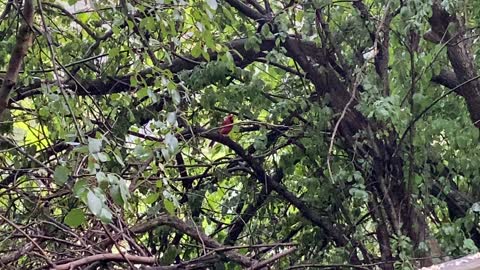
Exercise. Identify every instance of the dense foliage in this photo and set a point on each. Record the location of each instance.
(354, 143)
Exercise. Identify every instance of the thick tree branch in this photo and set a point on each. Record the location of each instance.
(24, 41)
(446, 78)
(105, 86)
(274, 183)
(109, 257)
(15, 255)
(242, 220)
(192, 232)
(460, 55)
(245, 10)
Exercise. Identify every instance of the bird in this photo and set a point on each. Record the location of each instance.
(225, 128)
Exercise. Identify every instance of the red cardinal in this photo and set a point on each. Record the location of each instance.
(226, 127)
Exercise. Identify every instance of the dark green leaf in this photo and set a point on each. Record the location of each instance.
(61, 175)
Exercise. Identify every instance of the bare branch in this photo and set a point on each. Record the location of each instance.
(24, 41)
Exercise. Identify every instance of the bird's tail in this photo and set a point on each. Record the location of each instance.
(211, 144)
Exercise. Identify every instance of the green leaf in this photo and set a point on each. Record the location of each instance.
(105, 215)
(102, 179)
(94, 145)
(253, 43)
(61, 175)
(102, 156)
(171, 142)
(169, 206)
(196, 50)
(260, 141)
(159, 184)
(43, 111)
(119, 189)
(116, 194)
(212, 4)
(469, 245)
(358, 193)
(172, 118)
(476, 207)
(124, 191)
(83, 17)
(165, 153)
(175, 96)
(94, 203)
(133, 81)
(81, 149)
(205, 54)
(113, 52)
(113, 178)
(119, 159)
(143, 92)
(169, 255)
(75, 218)
(152, 198)
(80, 188)
(265, 30)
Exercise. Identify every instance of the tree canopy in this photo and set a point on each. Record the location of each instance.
(355, 139)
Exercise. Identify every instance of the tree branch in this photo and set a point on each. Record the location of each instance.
(24, 41)
(192, 232)
(110, 85)
(274, 183)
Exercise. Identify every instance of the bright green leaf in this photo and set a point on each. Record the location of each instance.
(152, 198)
(75, 218)
(169, 206)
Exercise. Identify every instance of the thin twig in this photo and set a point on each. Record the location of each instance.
(55, 71)
(29, 238)
(117, 246)
(273, 259)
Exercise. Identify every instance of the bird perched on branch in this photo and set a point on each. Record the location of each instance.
(225, 128)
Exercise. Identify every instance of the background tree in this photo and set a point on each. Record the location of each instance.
(354, 145)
